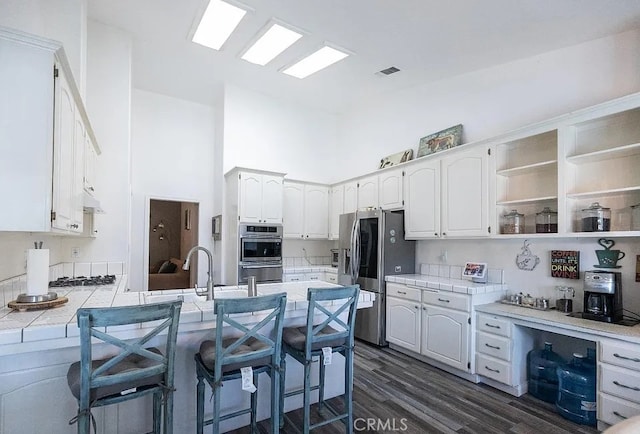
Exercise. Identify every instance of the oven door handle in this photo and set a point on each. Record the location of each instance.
(262, 266)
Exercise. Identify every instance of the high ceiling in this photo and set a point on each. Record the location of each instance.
(426, 39)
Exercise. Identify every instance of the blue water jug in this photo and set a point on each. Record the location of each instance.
(577, 391)
(542, 374)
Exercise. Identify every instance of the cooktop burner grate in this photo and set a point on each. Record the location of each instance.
(108, 279)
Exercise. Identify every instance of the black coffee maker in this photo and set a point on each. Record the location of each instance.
(602, 296)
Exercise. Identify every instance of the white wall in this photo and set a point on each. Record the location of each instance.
(489, 102)
(267, 133)
(172, 157)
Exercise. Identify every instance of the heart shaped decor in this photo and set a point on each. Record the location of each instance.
(607, 244)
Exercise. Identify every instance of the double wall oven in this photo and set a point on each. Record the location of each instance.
(260, 253)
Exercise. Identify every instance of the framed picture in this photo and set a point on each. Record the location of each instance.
(475, 269)
(445, 139)
(394, 159)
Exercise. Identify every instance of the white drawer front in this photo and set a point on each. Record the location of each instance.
(612, 410)
(493, 345)
(498, 370)
(402, 291)
(496, 326)
(447, 299)
(620, 382)
(620, 354)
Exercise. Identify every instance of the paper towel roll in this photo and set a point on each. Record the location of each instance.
(37, 271)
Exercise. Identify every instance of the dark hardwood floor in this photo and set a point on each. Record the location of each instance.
(395, 393)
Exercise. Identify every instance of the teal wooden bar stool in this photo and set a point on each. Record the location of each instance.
(257, 347)
(133, 372)
(305, 343)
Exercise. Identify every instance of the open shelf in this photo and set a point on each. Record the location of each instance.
(526, 201)
(606, 154)
(609, 192)
(529, 168)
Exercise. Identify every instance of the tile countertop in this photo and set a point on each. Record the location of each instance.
(311, 269)
(560, 322)
(57, 327)
(445, 284)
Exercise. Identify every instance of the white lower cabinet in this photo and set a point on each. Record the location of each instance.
(445, 336)
(618, 381)
(313, 276)
(403, 323)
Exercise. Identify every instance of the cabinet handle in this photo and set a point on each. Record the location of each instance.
(492, 370)
(637, 389)
(417, 307)
(402, 292)
(424, 308)
(492, 346)
(633, 359)
(491, 325)
(91, 188)
(436, 234)
(444, 234)
(444, 300)
(619, 415)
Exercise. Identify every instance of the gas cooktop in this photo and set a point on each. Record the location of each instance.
(107, 279)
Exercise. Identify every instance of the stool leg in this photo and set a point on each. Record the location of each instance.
(348, 389)
(306, 405)
(157, 412)
(199, 402)
(283, 376)
(254, 406)
(84, 422)
(321, 384)
(168, 412)
(216, 405)
(275, 399)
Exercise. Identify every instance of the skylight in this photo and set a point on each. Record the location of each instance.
(218, 22)
(273, 42)
(315, 62)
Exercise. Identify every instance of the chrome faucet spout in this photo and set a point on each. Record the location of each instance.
(209, 271)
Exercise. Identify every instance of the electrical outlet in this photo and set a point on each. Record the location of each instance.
(75, 252)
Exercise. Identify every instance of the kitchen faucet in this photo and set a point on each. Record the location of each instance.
(209, 292)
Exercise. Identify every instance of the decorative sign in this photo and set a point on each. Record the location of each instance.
(565, 264)
(445, 139)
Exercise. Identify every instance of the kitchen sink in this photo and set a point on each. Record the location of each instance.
(192, 297)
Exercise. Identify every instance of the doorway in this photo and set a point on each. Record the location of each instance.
(173, 231)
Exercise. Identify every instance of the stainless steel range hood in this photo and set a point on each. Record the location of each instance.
(91, 204)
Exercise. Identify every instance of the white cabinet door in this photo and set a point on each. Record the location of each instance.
(350, 197)
(403, 323)
(90, 166)
(445, 336)
(390, 189)
(293, 277)
(78, 172)
(63, 155)
(293, 210)
(250, 197)
(271, 199)
(316, 212)
(368, 192)
(422, 204)
(336, 208)
(465, 194)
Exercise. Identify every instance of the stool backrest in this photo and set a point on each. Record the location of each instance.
(347, 299)
(91, 319)
(272, 309)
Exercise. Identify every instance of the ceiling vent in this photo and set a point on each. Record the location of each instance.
(388, 71)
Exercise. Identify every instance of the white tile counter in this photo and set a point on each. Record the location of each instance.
(446, 284)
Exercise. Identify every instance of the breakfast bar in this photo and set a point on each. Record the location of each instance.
(37, 347)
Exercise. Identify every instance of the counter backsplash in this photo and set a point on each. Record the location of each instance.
(304, 262)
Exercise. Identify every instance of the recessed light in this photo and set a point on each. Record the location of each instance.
(322, 58)
(219, 20)
(274, 41)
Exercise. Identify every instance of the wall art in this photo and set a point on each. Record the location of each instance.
(526, 260)
(398, 158)
(608, 258)
(565, 264)
(445, 139)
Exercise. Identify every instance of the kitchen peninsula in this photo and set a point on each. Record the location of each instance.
(37, 347)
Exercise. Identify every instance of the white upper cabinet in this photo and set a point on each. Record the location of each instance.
(390, 186)
(260, 198)
(465, 194)
(47, 131)
(422, 204)
(368, 192)
(350, 197)
(336, 208)
(305, 210)
(90, 163)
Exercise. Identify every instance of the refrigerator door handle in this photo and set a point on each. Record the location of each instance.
(355, 249)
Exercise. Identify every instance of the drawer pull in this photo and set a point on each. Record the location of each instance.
(444, 300)
(402, 292)
(492, 370)
(491, 325)
(619, 415)
(633, 359)
(637, 389)
(492, 346)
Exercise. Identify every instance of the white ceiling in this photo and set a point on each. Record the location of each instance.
(427, 39)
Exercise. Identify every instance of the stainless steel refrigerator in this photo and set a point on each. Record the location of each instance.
(372, 246)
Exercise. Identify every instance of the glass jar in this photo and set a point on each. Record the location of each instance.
(635, 217)
(596, 218)
(513, 223)
(546, 221)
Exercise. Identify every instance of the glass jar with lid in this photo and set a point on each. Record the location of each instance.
(513, 223)
(635, 217)
(546, 221)
(596, 218)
